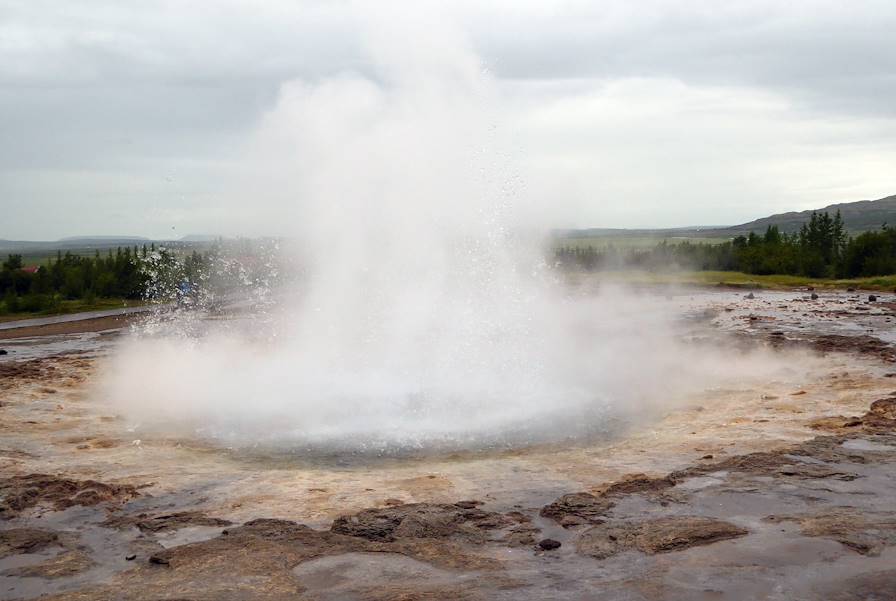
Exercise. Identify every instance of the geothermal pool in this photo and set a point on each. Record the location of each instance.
(765, 488)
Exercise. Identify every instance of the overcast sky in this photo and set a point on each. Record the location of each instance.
(130, 118)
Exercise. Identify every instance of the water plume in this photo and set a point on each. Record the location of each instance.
(420, 315)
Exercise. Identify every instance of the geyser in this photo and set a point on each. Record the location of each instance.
(423, 316)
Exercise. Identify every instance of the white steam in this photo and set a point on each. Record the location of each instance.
(422, 317)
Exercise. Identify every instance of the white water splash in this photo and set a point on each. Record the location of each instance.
(422, 317)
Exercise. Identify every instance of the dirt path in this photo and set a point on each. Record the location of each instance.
(96, 324)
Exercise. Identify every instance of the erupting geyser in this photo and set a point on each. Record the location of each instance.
(423, 316)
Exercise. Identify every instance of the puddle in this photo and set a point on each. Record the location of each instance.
(39, 347)
(184, 536)
(340, 575)
(861, 444)
(700, 483)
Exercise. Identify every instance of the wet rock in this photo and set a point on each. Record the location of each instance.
(3, 352)
(63, 565)
(577, 508)
(750, 296)
(161, 523)
(661, 535)
(828, 449)
(762, 461)
(883, 409)
(23, 492)
(865, 345)
(549, 544)
(785, 462)
(420, 520)
(850, 289)
(879, 419)
(873, 586)
(26, 540)
(266, 545)
(864, 532)
(872, 298)
(389, 577)
(13, 373)
(814, 296)
(812, 471)
(637, 484)
(523, 535)
(835, 423)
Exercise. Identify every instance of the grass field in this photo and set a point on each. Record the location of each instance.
(744, 280)
(626, 242)
(75, 306)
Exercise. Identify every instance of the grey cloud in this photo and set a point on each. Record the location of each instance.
(834, 59)
(121, 92)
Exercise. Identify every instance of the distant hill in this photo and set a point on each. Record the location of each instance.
(82, 245)
(858, 216)
(102, 239)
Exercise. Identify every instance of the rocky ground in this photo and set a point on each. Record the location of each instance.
(784, 492)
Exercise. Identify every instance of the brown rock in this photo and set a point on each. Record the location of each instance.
(582, 506)
(61, 566)
(420, 520)
(266, 545)
(884, 408)
(866, 345)
(161, 523)
(835, 423)
(879, 419)
(23, 492)
(637, 484)
(549, 544)
(873, 586)
(781, 463)
(865, 533)
(661, 535)
(521, 536)
(25, 540)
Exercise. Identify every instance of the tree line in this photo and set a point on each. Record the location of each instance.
(820, 249)
(126, 273)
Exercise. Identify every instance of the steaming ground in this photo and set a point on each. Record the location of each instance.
(422, 317)
(769, 471)
(597, 364)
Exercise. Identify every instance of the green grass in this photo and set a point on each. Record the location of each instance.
(744, 280)
(74, 306)
(629, 242)
(29, 260)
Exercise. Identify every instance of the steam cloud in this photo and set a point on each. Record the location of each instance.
(424, 317)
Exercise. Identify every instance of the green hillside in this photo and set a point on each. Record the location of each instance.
(860, 216)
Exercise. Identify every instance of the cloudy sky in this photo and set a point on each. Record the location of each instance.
(132, 118)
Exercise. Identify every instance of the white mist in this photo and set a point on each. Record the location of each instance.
(421, 320)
